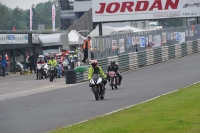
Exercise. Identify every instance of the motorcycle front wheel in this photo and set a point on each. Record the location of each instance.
(96, 92)
(50, 77)
(39, 75)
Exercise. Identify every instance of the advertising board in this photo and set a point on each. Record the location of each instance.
(13, 38)
(124, 10)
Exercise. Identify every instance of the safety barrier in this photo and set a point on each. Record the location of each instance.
(148, 57)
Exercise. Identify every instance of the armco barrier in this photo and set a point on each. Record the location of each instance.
(133, 60)
(178, 51)
(195, 46)
(123, 62)
(164, 51)
(141, 58)
(148, 57)
(183, 49)
(171, 52)
(157, 55)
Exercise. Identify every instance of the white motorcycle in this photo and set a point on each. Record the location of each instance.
(46, 71)
(39, 68)
(65, 67)
(97, 86)
(52, 73)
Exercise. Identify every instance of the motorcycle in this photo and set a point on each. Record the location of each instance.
(52, 73)
(114, 80)
(65, 65)
(46, 71)
(97, 86)
(40, 68)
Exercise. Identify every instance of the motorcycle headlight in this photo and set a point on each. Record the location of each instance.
(92, 81)
(99, 81)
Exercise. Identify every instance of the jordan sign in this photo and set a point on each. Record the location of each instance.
(124, 10)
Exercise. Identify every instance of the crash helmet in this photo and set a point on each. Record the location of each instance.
(40, 57)
(51, 57)
(94, 63)
(112, 63)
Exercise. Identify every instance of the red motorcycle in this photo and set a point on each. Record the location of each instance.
(114, 80)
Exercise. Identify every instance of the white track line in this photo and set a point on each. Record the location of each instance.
(131, 105)
(25, 93)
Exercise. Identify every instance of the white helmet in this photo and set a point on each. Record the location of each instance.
(41, 56)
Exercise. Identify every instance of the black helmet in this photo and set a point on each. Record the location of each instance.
(112, 62)
(94, 63)
(51, 57)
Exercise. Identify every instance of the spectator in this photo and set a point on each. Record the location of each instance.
(31, 60)
(77, 50)
(46, 57)
(86, 46)
(148, 46)
(136, 48)
(27, 62)
(193, 26)
(0, 58)
(7, 58)
(3, 65)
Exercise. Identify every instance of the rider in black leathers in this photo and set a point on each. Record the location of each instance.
(115, 68)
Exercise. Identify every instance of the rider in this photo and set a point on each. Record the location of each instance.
(74, 56)
(95, 69)
(53, 62)
(59, 67)
(114, 67)
(46, 57)
(40, 61)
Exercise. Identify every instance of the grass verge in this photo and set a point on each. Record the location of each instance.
(177, 112)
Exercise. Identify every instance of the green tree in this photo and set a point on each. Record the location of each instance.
(21, 18)
(42, 14)
(6, 17)
(18, 19)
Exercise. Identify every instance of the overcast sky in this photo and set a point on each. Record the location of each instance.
(24, 4)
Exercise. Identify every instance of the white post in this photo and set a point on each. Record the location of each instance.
(31, 18)
(53, 17)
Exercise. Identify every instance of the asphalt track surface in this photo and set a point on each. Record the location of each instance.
(42, 112)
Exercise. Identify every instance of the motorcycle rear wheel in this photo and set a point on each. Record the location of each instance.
(116, 82)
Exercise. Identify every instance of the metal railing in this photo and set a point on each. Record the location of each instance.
(128, 42)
